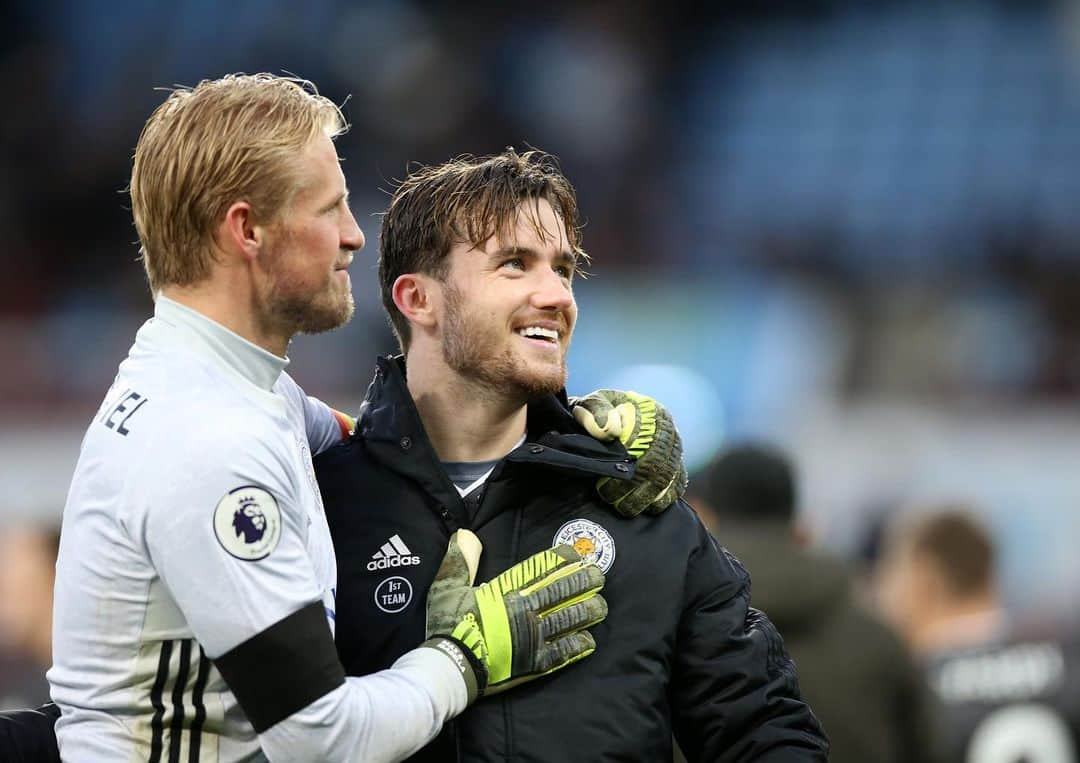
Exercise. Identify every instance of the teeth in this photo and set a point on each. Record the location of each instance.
(541, 333)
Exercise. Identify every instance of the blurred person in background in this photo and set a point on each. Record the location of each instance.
(27, 570)
(937, 582)
(1006, 697)
(853, 670)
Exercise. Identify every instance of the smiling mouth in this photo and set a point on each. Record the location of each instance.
(539, 334)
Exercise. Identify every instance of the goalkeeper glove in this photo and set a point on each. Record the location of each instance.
(648, 432)
(527, 622)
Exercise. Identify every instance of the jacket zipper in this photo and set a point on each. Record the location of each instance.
(508, 714)
(470, 516)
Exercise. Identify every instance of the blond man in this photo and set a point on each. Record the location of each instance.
(195, 590)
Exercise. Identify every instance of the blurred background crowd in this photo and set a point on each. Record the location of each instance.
(847, 228)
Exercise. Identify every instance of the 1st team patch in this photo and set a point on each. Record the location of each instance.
(589, 539)
(393, 594)
(247, 522)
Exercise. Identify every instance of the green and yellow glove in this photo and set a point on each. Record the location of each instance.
(527, 622)
(647, 430)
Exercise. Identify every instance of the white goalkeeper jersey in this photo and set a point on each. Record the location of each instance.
(194, 526)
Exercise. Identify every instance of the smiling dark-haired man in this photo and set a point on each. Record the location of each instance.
(471, 429)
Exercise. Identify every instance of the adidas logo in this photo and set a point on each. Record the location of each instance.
(394, 553)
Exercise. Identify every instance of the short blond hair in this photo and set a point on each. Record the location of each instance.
(205, 148)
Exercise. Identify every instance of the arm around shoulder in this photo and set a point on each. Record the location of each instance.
(381, 717)
(232, 550)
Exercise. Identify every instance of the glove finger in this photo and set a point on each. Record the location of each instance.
(606, 413)
(656, 472)
(451, 594)
(614, 493)
(645, 421)
(598, 418)
(549, 658)
(537, 567)
(655, 430)
(602, 399)
(662, 502)
(631, 425)
(564, 651)
(628, 498)
(662, 459)
(567, 586)
(650, 487)
(675, 491)
(458, 568)
(576, 617)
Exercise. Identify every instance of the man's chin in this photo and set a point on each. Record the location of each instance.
(327, 317)
(538, 383)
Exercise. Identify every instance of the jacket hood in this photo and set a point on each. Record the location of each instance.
(793, 586)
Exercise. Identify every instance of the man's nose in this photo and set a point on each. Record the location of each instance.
(553, 291)
(352, 237)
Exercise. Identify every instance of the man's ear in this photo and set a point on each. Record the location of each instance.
(418, 297)
(239, 232)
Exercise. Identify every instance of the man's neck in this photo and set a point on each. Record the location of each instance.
(232, 308)
(465, 421)
(969, 624)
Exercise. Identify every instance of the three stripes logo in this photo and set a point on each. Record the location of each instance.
(180, 731)
(394, 553)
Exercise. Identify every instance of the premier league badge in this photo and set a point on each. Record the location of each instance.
(247, 523)
(589, 539)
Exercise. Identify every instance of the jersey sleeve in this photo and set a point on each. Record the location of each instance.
(391, 714)
(324, 425)
(736, 695)
(223, 527)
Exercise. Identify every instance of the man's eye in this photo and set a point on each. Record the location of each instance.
(565, 271)
(516, 263)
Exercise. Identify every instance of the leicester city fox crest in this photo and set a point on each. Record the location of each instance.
(590, 540)
(247, 523)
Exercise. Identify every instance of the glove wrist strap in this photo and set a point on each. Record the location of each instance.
(473, 671)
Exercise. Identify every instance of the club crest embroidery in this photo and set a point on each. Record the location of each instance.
(309, 470)
(247, 523)
(589, 539)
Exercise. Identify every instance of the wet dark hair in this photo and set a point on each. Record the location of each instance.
(468, 199)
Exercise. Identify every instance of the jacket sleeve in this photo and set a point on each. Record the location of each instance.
(27, 736)
(735, 695)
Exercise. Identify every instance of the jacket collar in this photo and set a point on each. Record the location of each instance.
(388, 416)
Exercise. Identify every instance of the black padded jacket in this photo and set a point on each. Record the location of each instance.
(681, 652)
